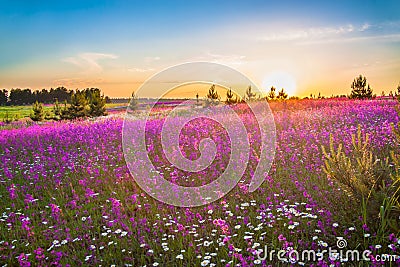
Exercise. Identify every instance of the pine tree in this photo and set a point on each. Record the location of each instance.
(64, 112)
(3, 97)
(212, 96)
(360, 88)
(78, 106)
(37, 112)
(398, 92)
(282, 95)
(229, 97)
(249, 94)
(271, 94)
(97, 103)
(57, 110)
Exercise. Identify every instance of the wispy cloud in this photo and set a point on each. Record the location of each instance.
(315, 33)
(151, 59)
(89, 62)
(77, 82)
(228, 59)
(339, 34)
(350, 39)
(141, 69)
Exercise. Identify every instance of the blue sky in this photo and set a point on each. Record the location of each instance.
(116, 45)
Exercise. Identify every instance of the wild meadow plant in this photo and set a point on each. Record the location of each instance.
(367, 179)
(67, 197)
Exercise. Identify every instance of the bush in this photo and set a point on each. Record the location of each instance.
(77, 108)
(97, 104)
(37, 112)
(57, 111)
(369, 182)
(7, 118)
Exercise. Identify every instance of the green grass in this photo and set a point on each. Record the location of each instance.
(19, 111)
(24, 111)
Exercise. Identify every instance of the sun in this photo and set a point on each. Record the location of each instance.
(280, 80)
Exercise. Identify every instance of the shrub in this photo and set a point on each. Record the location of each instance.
(7, 118)
(37, 112)
(97, 104)
(77, 108)
(368, 181)
(57, 111)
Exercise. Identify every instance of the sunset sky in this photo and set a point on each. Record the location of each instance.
(304, 46)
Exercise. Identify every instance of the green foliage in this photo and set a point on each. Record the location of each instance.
(360, 88)
(3, 97)
(26, 96)
(7, 118)
(395, 157)
(57, 110)
(64, 112)
(37, 112)
(48, 115)
(365, 178)
(354, 175)
(77, 108)
(97, 103)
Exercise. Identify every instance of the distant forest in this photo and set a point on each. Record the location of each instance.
(17, 96)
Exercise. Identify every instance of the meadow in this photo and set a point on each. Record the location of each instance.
(67, 197)
(20, 112)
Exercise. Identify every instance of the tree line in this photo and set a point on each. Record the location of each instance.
(213, 97)
(360, 89)
(19, 97)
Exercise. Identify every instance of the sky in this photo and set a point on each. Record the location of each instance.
(307, 47)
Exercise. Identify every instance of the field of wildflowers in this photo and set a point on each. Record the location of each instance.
(67, 197)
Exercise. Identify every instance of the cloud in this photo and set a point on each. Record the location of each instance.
(141, 69)
(151, 59)
(364, 27)
(72, 83)
(338, 34)
(314, 33)
(89, 61)
(376, 38)
(231, 59)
